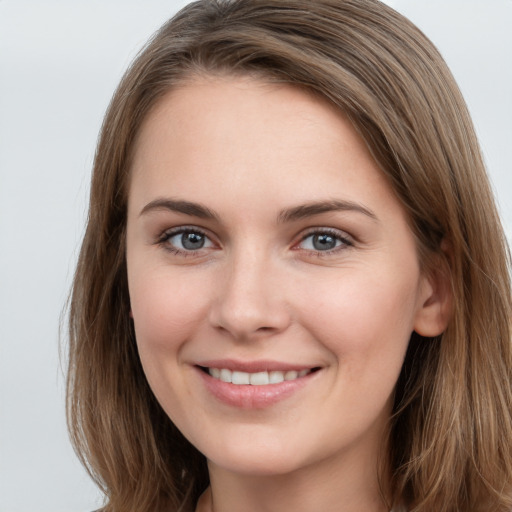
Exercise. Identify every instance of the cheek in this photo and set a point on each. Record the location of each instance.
(166, 314)
(166, 310)
(367, 319)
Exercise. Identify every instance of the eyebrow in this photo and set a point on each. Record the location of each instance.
(287, 215)
(186, 207)
(316, 208)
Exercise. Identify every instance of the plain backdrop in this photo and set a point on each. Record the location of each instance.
(59, 64)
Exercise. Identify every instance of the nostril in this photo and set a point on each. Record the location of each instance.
(248, 315)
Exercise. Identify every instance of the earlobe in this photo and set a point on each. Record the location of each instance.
(436, 302)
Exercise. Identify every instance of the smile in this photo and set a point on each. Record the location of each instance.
(258, 378)
(255, 384)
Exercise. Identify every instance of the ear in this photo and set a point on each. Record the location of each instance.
(435, 305)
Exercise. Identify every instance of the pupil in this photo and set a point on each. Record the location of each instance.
(324, 242)
(192, 241)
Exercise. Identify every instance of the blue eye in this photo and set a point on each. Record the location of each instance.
(186, 240)
(323, 241)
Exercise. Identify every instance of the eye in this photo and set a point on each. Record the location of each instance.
(324, 241)
(183, 240)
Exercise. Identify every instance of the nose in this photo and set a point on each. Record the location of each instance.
(250, 300)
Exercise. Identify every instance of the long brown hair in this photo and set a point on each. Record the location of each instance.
(451, 430)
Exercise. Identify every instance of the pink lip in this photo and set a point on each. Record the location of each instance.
(249, 396)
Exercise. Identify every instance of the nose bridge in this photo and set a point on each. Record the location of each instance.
(251, 299)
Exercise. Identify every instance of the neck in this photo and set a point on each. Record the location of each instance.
(351, 487)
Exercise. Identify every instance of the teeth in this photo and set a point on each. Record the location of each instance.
(259, 379)
(225, 375)
(255, 379)
(240, 378)
(275, 377)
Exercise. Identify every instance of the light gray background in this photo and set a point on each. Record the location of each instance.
(59, 64)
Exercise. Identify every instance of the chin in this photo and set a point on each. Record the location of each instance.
(266, 457)
(257, 466)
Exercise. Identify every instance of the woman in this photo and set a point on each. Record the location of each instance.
(293, 292)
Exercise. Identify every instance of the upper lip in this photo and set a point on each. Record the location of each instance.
(254, 366)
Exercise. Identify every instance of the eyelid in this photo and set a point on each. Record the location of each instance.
(342, 236)
(346, 240)
(167, 234)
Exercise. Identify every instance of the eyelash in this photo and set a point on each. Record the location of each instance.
(163, 240)
(339, 236)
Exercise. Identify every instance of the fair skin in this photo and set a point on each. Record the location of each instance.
(262, 237)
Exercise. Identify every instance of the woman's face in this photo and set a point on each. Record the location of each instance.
(273, 277)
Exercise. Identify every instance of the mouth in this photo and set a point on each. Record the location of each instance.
(256, 385)
(260, 378)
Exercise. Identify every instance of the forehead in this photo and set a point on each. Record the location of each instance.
(219, 134)
(226, 110)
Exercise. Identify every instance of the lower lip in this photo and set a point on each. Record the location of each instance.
(246, 396)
